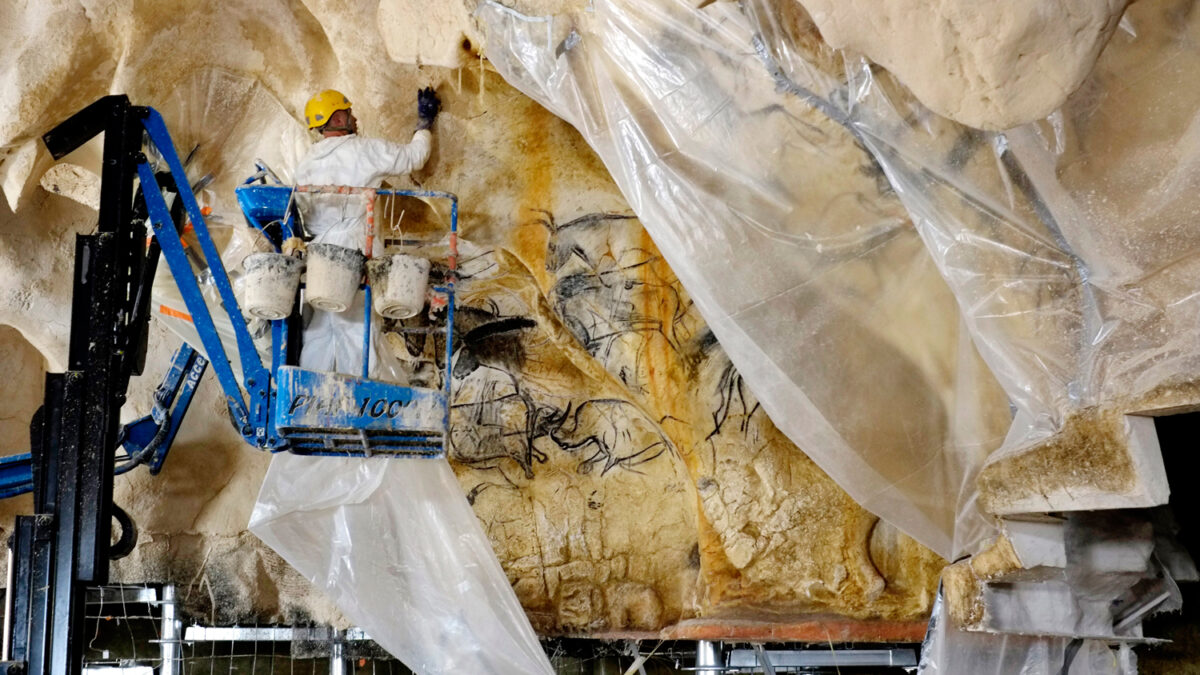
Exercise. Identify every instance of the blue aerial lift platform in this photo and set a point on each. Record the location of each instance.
(76, 436)
(275, 406)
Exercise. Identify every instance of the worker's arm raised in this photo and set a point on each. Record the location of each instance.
(392, 159)
(396, 159)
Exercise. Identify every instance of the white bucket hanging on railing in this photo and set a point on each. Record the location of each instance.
(398, 285)
(334, 274)
(271, 282)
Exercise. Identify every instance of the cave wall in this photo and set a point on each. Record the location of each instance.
(626, 476)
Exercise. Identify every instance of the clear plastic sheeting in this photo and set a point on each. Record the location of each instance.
(169, 308)
(789, 240)
(221, 122)
(1069, 244)
(397, 547)
(782, 181)
(949, 651)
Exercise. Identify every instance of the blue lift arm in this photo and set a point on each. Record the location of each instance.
(251, 418)
(146, 440)
(367, 418)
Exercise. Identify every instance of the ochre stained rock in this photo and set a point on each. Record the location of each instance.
(626, 477)
(963, 581)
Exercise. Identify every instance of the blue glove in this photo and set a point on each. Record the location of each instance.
(428, 106)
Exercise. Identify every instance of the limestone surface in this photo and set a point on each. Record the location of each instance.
(992, 65)
(608, 447)
(627, 476)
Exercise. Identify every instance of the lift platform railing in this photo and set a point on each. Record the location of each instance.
(282, 412)
(286, 407)
(331, 414)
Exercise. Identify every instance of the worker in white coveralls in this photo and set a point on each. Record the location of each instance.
(333, 340)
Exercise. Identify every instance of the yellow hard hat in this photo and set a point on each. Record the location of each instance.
(320, 107)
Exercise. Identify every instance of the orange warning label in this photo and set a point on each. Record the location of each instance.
(167, 311)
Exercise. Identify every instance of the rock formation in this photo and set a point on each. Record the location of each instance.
(627, 474)
(992, 66)
(614, 403)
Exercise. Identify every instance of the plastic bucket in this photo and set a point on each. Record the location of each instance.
(398, 285)
(334, 274)
(271, 281)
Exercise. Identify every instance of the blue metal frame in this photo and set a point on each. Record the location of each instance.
(382, 419)
(349, 432)
(153, 433)
(335, 415)
(265, 420)
(189, 288)
(263, 206)
(252, 369)
(16, 475)
(251, 421)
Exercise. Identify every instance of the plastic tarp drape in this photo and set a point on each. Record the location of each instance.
(1069, 243)
(788, 239)
(949, 651)
(1065, 249)
(397, 547)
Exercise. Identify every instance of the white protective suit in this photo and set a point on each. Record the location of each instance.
(333, 341)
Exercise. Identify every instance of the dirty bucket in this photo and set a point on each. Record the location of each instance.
(398, 285)
(271, 281)
(334, 274)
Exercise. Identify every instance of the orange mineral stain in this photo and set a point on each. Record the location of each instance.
(665, 376)
(536, 202)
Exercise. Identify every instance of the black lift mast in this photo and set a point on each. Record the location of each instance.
(65, 546)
